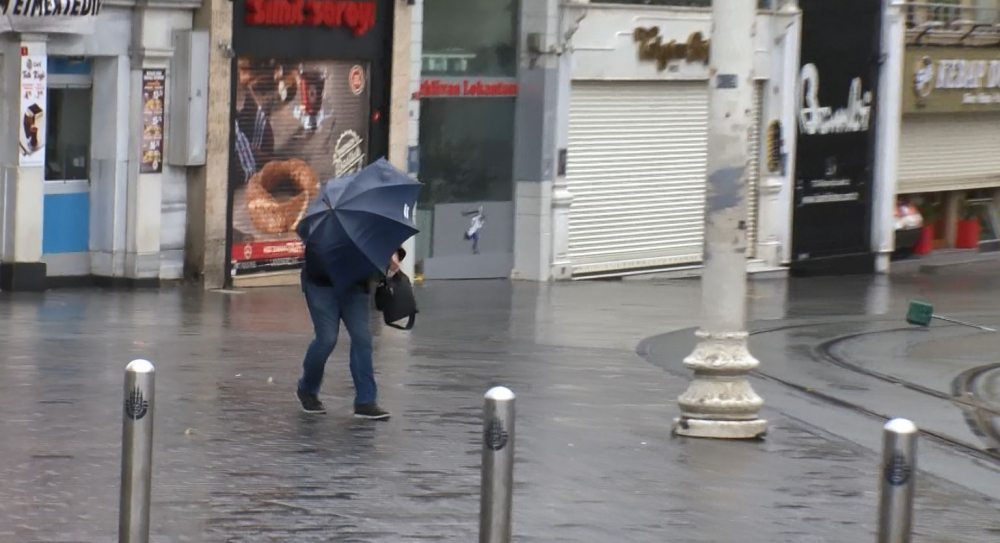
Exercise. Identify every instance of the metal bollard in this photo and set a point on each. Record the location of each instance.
(498, 466)
(137, 452)
(899, 468)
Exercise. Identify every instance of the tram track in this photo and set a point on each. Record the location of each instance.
(982, 417)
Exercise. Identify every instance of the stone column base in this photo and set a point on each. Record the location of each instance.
(720, 429)
(720, 403)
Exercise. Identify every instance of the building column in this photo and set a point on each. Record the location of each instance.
(144, 200)
(952, 212)
(205, 255)
(404, 115)
(23, 175)
(888, 126)
(539, 207)
(777, 185)
(109, 165)
(562, 197)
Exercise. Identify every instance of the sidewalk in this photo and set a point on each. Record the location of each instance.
(236, 462)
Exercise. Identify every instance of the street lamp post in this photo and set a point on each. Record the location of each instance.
(720, 403)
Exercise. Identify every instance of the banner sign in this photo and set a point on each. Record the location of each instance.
(837, 86)
(359, 17)
(34, 103)
(457, 87)
(153, 96)
(49, 16)
(652, 48)
(951, 79)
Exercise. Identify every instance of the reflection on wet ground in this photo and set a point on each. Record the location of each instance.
(236, 462)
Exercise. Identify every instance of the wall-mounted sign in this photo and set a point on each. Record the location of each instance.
(153, 96)
(49, 16)
(815, 118)
(651, 47)
(831, 224)
(951, 79)
(34, 102)
(467, 88)
(358, 16)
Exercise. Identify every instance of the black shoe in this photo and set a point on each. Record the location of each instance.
(370, 411)
(310, 403)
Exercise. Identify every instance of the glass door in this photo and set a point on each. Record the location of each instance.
(66, 220)
(466, 211)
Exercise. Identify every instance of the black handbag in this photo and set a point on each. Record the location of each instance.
(394, 298)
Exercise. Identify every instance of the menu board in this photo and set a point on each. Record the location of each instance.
(153, 96)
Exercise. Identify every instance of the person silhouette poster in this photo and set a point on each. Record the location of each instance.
(476, 223)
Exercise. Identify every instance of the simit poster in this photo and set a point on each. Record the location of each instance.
(34, 103)
(152, 120)
(296, 125)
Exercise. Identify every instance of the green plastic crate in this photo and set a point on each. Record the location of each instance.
(920, 313)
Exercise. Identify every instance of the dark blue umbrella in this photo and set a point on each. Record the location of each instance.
(356, 224)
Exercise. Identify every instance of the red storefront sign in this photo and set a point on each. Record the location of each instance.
(467, 88)
(267, 250)
(359, 16)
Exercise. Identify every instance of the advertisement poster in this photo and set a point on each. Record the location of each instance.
(34, 102)
(837, 95)
(152, 120)
(296, 126)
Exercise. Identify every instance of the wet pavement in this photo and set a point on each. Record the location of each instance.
(235, 461)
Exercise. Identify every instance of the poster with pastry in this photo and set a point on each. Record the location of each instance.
(296, 125)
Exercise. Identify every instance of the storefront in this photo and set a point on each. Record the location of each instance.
(311, 95)
(467, 114)
(949, 165)
(82, 200)
(835, 157)
(637, 139)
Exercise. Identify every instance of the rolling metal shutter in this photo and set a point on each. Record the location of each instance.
(949, 152)
(636, 168)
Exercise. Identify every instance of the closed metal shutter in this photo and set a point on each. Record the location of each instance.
(636, 168)
(753, 169)
(949, 152)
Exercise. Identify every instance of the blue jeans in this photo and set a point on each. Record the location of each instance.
(327, 311)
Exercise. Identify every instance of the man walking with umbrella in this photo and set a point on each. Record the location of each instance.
(327, 309)
(352, 233)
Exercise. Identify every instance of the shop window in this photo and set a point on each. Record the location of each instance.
(67, 151)
(470, 37)
(981, 208)
(466, 150)
(466, 166)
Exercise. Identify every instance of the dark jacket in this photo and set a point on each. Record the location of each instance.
(313, 272)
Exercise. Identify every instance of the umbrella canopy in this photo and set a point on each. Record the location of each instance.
(356, 224)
